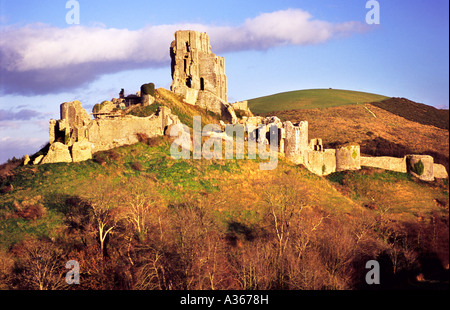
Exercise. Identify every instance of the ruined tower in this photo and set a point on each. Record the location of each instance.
(296, 141)
(198, 74)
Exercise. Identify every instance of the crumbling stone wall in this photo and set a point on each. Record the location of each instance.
(76, 137)
(348, 157)
(420, 166)
(385, 162)
(321, 162)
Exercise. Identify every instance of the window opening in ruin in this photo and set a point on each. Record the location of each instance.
(202, 84)
(189, 82)
(188, 47)
(185, 65)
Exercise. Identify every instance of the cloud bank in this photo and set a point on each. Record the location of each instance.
(22, 115)
(43, 59)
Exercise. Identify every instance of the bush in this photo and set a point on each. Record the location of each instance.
(109, 155)
(148, 89)
(145, 111)
(99, 106)
(418, 168)
(137, 166)
(99, 158)
(30, 210)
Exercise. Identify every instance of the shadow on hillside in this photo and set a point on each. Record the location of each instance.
(238, 230)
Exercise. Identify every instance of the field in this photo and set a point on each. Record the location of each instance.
(310, 99)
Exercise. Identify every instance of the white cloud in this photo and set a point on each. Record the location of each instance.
(38, 59)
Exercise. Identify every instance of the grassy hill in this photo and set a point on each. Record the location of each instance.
(222, 224)
(310, 99)
(135, 218)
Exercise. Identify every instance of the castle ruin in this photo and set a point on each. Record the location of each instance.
(198, 75)
(199, 79)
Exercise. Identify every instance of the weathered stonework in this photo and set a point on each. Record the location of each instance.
(88, 136)
(195, 67)
(81, 151)
(198, 74)
(385, 162)
(147, 99)
(296, 142)
(321, 162)
(348, 157)
(38, 160)
(420, 166)
(57, 153)
(439, 171)
(26, 160)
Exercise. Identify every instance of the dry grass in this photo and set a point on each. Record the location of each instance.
(354, 123)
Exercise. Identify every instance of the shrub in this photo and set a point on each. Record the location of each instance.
(142, 137)
(102, 157)
(137, 166)
(145, 111)
(148, 89)
(418, 168)
(99, 106)
(30, 210)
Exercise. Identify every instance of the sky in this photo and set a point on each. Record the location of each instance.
(269, 47)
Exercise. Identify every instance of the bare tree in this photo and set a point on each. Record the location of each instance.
(142, 206)
(42, 267)
(284, 207)
(105, 209)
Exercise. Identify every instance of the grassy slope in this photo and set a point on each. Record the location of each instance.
(49, 184)
(214, 181)
(416, 112)
(310, 99)
(232, 190)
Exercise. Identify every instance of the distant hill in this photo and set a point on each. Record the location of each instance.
(416, 112)
(310, 99)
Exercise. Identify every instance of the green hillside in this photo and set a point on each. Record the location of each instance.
(310, 99)
(215, 224)
(135, 218)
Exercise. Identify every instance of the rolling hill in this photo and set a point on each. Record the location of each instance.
(310, 99)
(226, 224)
(382, 126)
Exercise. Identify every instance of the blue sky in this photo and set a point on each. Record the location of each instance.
(269, 47)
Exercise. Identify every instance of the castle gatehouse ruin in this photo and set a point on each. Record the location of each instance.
(199, 79)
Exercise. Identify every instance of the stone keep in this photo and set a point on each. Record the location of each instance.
(198, 74)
